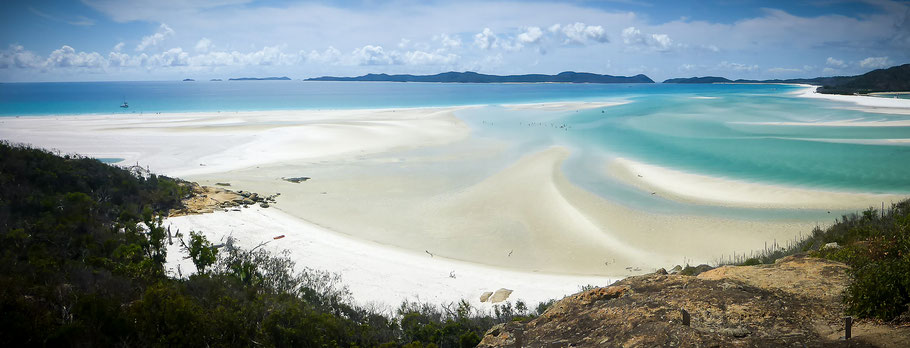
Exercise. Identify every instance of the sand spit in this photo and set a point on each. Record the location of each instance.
(869, 103)
(526, 217)
(702, 189)
(375, 273)
(211, 142)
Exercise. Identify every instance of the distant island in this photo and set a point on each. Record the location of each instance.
(188, 80)
(705, 79)
(283, 78)
(893, 79)
(473, 77)
(215, 80)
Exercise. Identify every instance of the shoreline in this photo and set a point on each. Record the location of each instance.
(376, 274)
(710, 190)
(395, 182)
(861, 100)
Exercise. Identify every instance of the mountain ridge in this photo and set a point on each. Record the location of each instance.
(473, 77)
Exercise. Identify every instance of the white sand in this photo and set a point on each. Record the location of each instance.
(862, 100)
(375, 273)
(525, 217)
(211, 142)
(390, 184)
(702, 189)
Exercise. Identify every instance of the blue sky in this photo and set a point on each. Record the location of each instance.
(105, 40)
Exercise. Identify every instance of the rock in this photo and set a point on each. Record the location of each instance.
(296, 180)
(264, 205)
(223, 183)
(832, 245)
(694, 271)
(676, 269)
(795, 302)
(245, 194)
(500, 295)
(485, 296)
(738, 332)
(661, 271)
(607, 293)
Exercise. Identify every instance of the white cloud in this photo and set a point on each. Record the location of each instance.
(81, 21)
(784, 70)
(372, 55)
(486, 39)
(66, 57)
(204, 45)
(330, 55)
(170, 58)
(875, 62)
(427, 58)
(154, 10)
(18, 57)
(530, 35)
(447, 41)
(580, 33)
(634, 37)
(725, 65)
(837, 63)
(152, 40)
(119, 47)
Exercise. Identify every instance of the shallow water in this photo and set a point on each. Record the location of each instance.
(718, 130)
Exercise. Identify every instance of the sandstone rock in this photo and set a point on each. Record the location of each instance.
(500, 295)
(795, 302)
(485, 296)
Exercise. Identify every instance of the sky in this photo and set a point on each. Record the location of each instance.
(122, 40)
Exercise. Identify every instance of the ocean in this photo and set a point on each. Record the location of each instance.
(761, 133)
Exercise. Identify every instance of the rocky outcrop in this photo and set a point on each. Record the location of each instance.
(795, 302)
(207, 199)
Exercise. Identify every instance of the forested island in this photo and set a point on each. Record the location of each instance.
(705, 79)
(473, 77)
(893, 79)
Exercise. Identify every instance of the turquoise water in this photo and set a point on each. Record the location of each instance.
(18, 99)
(109, 159)
(707, 129)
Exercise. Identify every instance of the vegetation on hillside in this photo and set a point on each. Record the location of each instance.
(876, 246)
(82, 252)
(893, 79)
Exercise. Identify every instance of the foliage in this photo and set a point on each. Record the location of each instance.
(201, 251)
(876, 245)
(893, 79)
(82, 249)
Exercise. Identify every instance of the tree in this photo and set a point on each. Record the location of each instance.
(201, 252)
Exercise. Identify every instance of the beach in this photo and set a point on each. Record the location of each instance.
(412, 204)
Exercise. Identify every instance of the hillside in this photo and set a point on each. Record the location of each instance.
(83, 248)
(705, 79)
(473, 77)
(794, 302)
(893, 79)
